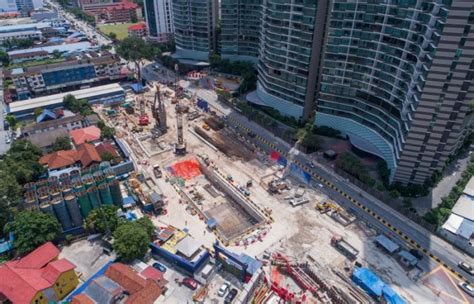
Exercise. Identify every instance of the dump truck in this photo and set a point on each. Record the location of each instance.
(157, 171)
(344, 247)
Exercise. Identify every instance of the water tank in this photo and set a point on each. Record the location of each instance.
(48, 209)
(43, 195)
(116, 193)
(88, 181)
(54, 192)
(105, 195)
(66, 190)
(61, 214)
(53, 180)
(30, 197)
(94, 198)
(74, 211)
(93, 168)
(84, 203)
(99, 178)
(74, 173)
(29, 186)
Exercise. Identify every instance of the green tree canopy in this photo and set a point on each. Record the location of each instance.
(32, 229)
(62, 143)
(57, 54)
(11, 119)
(130, 241)
(77, 106)
(107, 132)
(103, 218)
(4, 58)
(147, 224)
(10, 196)
(113, 36)
(136, 50)
(22, 161)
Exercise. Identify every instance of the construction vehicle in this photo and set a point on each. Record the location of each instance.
(325, 207)
(143, 119)
(206, 127)
(157, 171)
(277, 186)
(201, 294)
(344, 247)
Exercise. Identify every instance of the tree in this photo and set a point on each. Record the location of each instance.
(130, 241)
(56, 54)
(4, 58)
(107, 156)
(10, 196)
(147, 225)
(113, 36)
(32, 229)
(22, 161)
(134, 19)
(107, 132)
(11, 119)
(77, 106)
(136, 50)
(62, 143)
(102, 219)
(38, 112)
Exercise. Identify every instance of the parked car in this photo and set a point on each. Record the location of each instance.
(467, 288)
(311, 165)
(190, 283)
(416, 254)
(223, 289)
(466, 267)
(231, 296)
(159, 266)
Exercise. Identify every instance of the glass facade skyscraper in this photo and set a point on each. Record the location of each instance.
(291, 40)
(396, 79)
(240, 29)
(195, 28)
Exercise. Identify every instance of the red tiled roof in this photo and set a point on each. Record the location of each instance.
(21, 280)
(39, 257)
(82, 299)
(137, 27)
(147, 295)
(126, 277)
(151, 273)
(87, 154)
(54, 269)
(106, 147)
(59, 159)
(88, 134)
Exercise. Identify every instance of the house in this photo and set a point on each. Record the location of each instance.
(101, 290)
(39, 277)
(67, 123)
(83, 157)
(107, 148)
(140, 289)
(137, 30)
(88, 134)
(46, 140)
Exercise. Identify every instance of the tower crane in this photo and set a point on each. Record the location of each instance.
(180, 147)
(159, 114)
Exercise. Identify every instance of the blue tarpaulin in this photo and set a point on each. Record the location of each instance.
(299, 173)
(202, 104)
(375, 287)
(137, 87)
(366, 279)
(211, 223)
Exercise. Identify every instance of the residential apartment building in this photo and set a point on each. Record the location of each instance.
(7, 6)
(397, 79)
(240, 29)
(137, 30)
(114, 12)
(91, 68)
(292, 34)
(159, 20)
(195, 24)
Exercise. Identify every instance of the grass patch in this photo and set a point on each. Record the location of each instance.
(120, 29)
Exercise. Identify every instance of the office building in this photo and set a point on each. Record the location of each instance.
(240, 29)
(159, 20)
(25, 7)
(88, 69)
(397, 79)
(290, 52)
(195, 28)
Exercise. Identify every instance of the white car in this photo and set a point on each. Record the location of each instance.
(223, 289)
(467, 288)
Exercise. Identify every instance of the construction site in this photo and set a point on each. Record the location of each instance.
(216, 184)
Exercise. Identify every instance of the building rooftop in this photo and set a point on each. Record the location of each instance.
(24, 27)
(137, 27)
(35, 272)
(46, 139)
(188, 247)
(464, 207)
(460, 226)
(469, 189)
(103, 290)
(126, 277)
(83, 135)
(63, 48)
(85, 154)
(57, 99)
(52, 123)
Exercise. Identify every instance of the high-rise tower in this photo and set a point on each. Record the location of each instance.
(397, 79)
(195, 24)
(159, 20)
(240, 29)
(292, 36)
